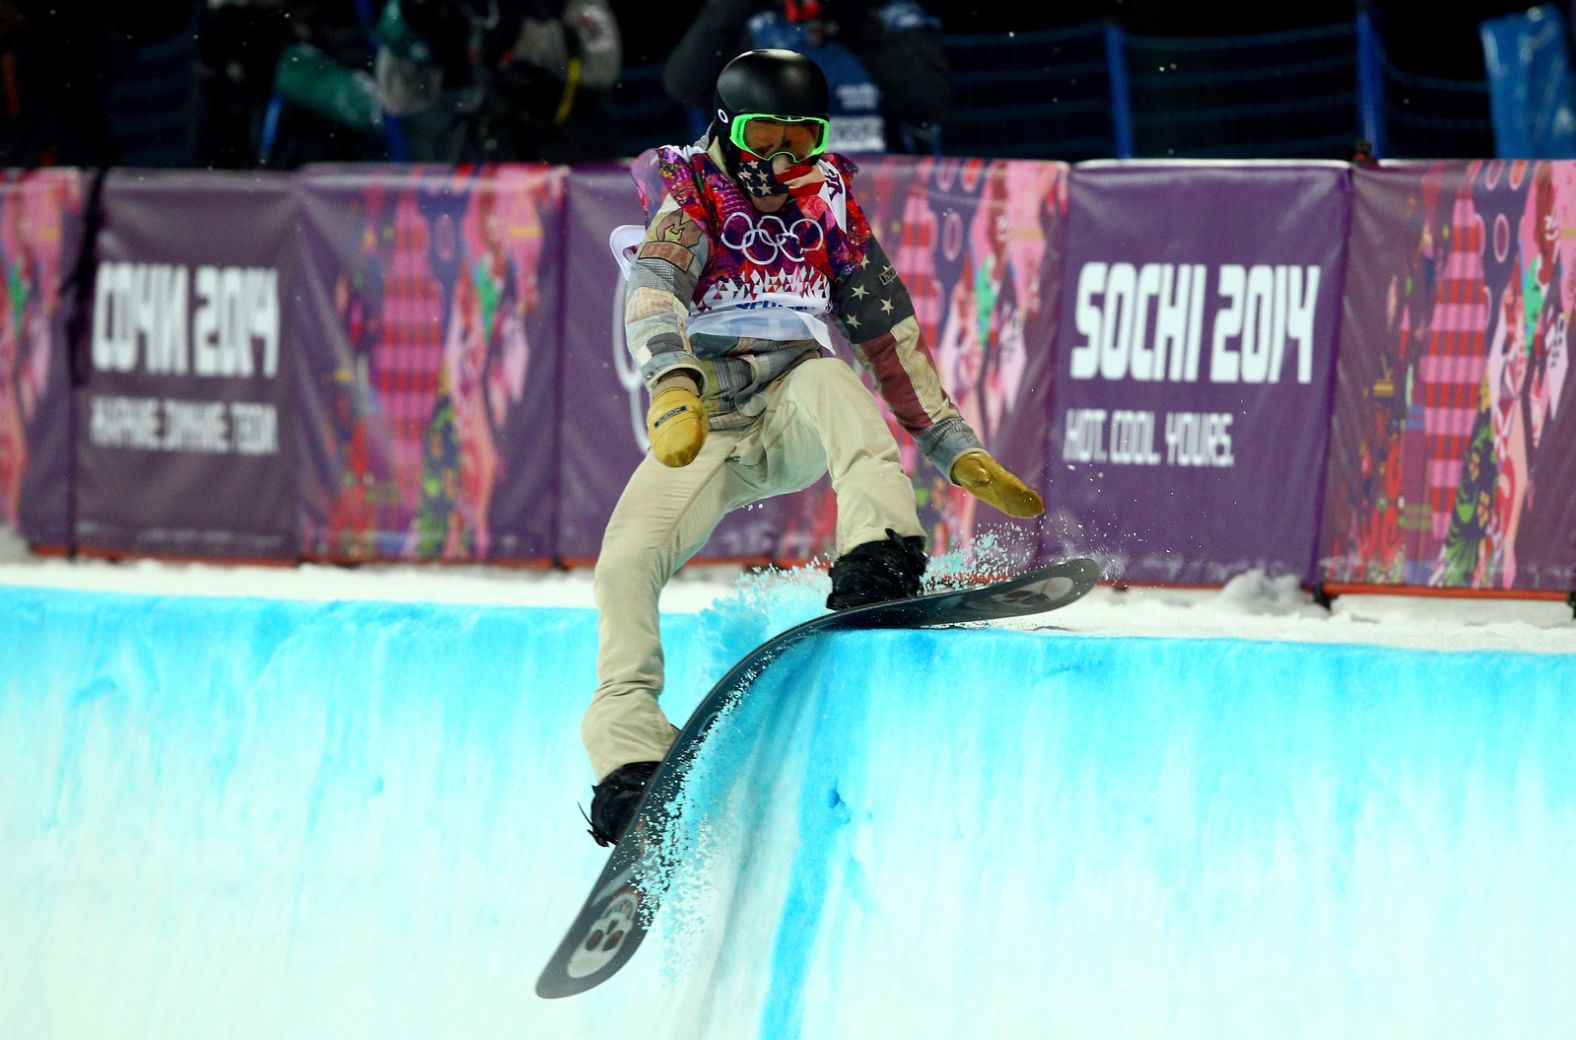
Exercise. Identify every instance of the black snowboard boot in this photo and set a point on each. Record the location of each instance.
(878, 571)
(613, 801)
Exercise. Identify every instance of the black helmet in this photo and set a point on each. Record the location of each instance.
(778, 82)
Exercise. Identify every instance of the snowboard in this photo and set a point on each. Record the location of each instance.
(616, 915)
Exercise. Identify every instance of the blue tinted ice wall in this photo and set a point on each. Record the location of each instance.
(262, 819)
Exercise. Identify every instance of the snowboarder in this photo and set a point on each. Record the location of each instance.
(756, 240)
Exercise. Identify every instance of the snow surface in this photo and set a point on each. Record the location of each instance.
(1251, 606)
(310, 802)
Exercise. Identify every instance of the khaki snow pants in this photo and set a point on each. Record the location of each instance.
(819, 418)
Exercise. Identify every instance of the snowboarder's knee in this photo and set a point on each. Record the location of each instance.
(625, 574)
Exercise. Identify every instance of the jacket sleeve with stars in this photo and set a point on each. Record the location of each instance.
(873, 311)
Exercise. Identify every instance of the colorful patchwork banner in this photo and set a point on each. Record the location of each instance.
(979, 246)
(1453, 453)
(183, 442)
(1197, 340)
(40, 240)
(430, 401)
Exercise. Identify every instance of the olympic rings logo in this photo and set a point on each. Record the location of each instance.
(763, 242)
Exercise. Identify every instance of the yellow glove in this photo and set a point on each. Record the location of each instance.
(985, 479)
(676, 423)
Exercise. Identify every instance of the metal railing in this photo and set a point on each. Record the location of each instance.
(1031, 95)
(1272, 96)
(1096, 91)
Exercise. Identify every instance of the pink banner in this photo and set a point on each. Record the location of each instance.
(40, 231)
(1453, 455)
(979, 245)
(430, 404)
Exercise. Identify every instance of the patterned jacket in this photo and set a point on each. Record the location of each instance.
(738, 297)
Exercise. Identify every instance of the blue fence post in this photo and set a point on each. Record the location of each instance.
(393, 130)
(270, 130)
(1121, 103)
(1370, 83)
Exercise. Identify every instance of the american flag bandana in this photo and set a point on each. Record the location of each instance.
(761, 179)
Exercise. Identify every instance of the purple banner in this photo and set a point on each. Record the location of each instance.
(360, 363)
(1197, 338)
(605, 431)
(40, 237)
(183, 439)
(430, 399)
(1453, 454)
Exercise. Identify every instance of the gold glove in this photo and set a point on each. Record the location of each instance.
(986, 479)
(676, 423)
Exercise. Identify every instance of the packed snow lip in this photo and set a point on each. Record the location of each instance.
(1250, 606)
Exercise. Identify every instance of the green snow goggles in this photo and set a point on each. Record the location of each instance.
(768, 136)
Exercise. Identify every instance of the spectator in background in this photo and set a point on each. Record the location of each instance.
(282, 83)
(238, 48)
(501, 80)
(884, 61)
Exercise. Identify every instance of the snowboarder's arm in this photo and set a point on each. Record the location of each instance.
(661, 283)
(875, 313)
(877, 316)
